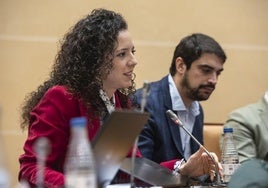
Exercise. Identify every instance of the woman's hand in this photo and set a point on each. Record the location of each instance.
(200, 163)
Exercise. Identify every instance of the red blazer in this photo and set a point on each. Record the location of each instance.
(50, 118)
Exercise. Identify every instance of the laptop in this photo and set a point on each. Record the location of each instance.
(153, 174)
(114, 140)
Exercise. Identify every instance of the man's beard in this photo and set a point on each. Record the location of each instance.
(195, 93)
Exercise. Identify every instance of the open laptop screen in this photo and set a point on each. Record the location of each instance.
(114, 140)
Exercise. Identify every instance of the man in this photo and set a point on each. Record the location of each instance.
(197, 62)
(250, 125)
(252, 173)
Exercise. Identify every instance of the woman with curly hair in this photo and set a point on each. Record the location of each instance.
(92, 75)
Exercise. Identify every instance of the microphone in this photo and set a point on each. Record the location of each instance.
(145, 93)
(176, 120)
(42, 149)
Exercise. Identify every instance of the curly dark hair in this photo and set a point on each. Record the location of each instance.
(83, 61)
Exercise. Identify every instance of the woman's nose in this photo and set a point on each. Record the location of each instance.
(133, 60)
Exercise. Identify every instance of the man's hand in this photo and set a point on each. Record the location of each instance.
(200, 164)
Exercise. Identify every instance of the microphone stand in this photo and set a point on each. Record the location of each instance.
(42, 149)
(176, 120)
(132, 183)
(145, 93)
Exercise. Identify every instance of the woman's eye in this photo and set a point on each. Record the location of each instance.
(121, 54)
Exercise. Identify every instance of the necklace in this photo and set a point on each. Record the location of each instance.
(109, 103)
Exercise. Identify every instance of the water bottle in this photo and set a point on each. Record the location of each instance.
(79, 166)
(4, 173)
(229, 155)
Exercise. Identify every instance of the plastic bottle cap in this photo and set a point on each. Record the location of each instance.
(228, 130)
(78, 121)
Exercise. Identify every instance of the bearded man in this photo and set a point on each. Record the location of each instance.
(196, 65)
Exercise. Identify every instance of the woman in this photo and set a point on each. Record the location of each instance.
(92, 75)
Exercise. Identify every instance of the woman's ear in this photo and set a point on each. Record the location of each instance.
(180, 65)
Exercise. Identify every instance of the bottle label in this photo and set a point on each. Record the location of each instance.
(79, 181)
(228, 169)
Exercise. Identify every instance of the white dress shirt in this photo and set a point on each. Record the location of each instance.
(187, 116)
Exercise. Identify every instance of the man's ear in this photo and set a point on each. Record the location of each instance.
(180, 65)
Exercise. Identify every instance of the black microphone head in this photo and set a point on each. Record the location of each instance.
(146, 88)
(174, 117)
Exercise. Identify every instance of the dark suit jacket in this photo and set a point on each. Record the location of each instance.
(160, 139)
